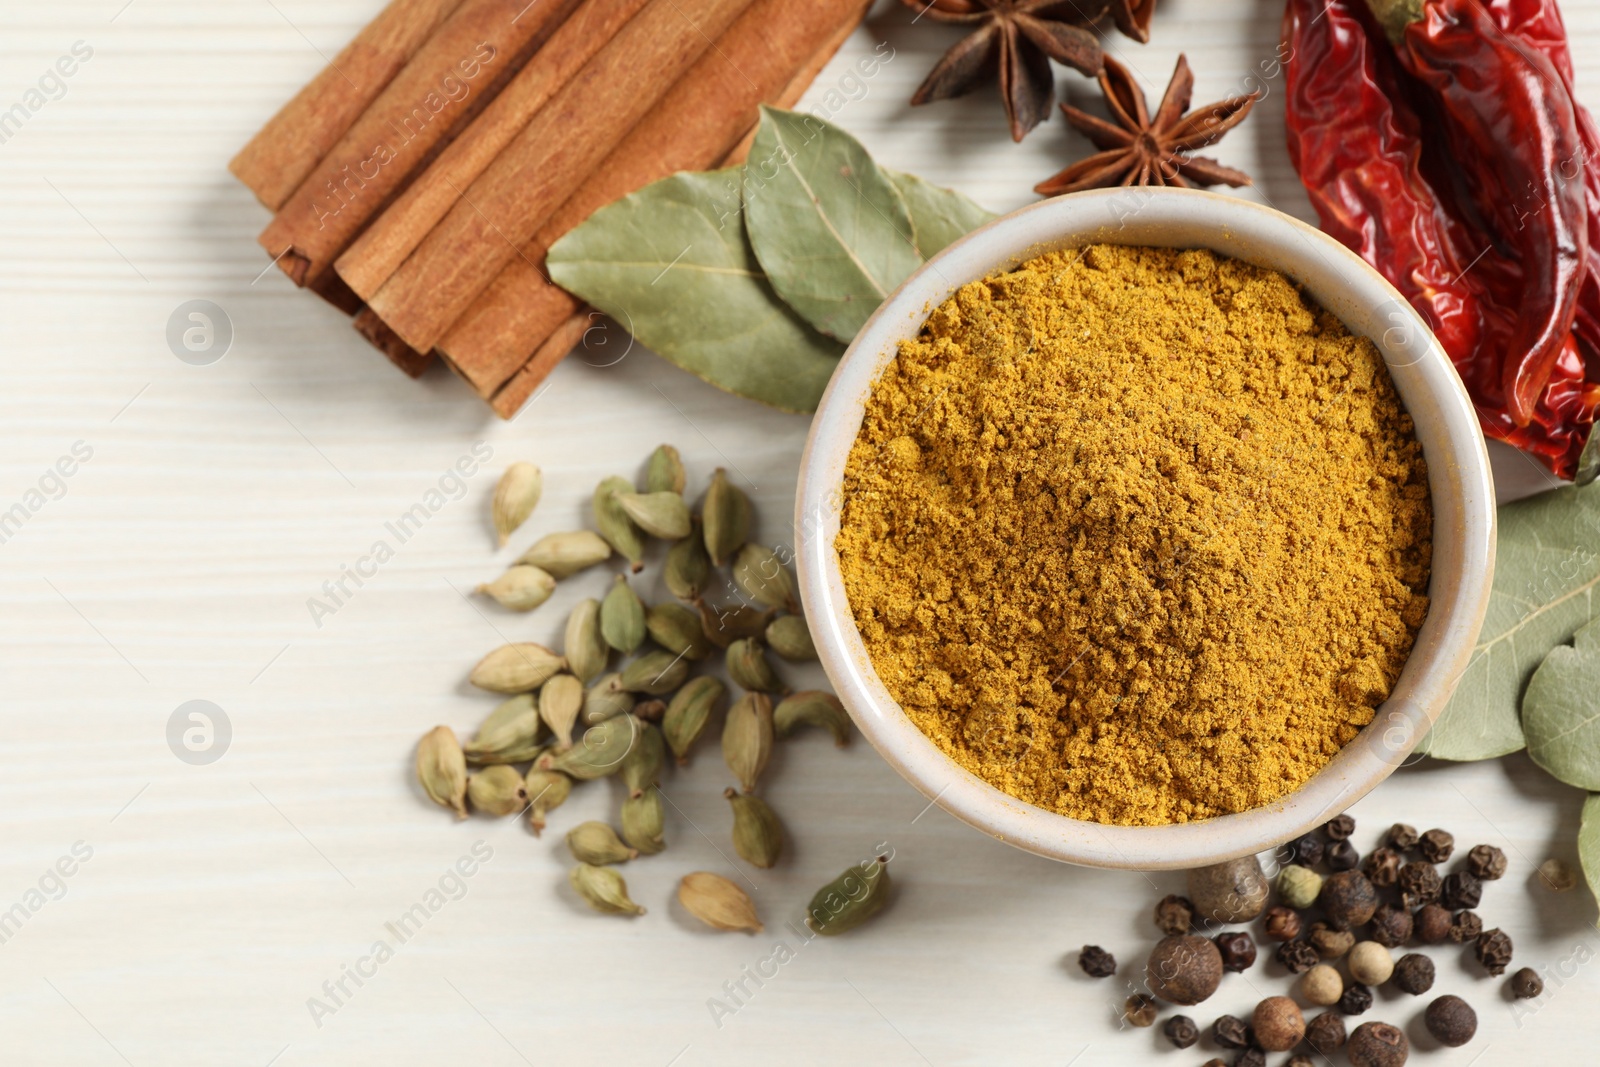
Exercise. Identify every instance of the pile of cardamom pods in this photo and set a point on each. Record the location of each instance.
(525, 758)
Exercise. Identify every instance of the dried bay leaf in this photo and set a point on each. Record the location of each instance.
(829, 227)
(1589, 843)
(938, 215)
(1561, 711)
(672, 264)
(1546, 576)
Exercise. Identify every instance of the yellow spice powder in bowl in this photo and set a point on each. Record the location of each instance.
(1136, 535)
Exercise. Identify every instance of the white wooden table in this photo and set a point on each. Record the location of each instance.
(177, 561)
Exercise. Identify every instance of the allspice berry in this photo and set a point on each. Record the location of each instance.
(1184, 969)
(1278, 1024)
(1238, 951)
(1298, 887)
(1526, 984)
(1431, 924)
(1283, 924)
(1377, 1045)
(1437, 845)
(1174, 914)
(1322, 985)
(1348, 899)
(1233, 891)
(1413, 974)
(1325, 1033)
(1330, 943)
(1181, 1031)
(1391, 926)
(1451, 1020)
(1370, 963)
(1486, 862)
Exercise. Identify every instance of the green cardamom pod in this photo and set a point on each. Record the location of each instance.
(663, 472)
(522, 588)
(654, 673)
(605, 699)
(598, 753)
(677, 629)
(442, 770)
(725, 514)
(689, 713)
(662, 515)
(790, 637)
(643, 821)
(597, 844)
(561, 555)
(603, 889)
(757, 833)
(747, 738)
(560, 701)
(718, 903)
(497, 791)
(547, 791)
(511, 734)
(622, 617)
(850, 899)
(641, 768)
(762, 576)
(587, 651)
(515, 497)
(724, 626)
(614, 524)
(812, 707)
(687, 567)
(749, 667)
(516, 668)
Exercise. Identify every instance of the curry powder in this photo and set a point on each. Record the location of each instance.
(1137, 535)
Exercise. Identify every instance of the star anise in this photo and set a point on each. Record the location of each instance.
(1143, 149)
(1016, 39)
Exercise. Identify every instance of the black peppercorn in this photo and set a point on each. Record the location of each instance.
(1097, 962)
(1250, 1057)
(1238, 951)
(1466, 926)
(1299, 1059)
(1325, 1033)
(1377, 1045)
(1451, 1020)
(1419, 883)
(1401, 837)
(1298, 956)
(1140, 1010)
(1342, 856)
(1282, 924)
(1382, 867)
(1357, 998)
(1307, 851)
(1486, 862)
(1213, 1062)
(1526, 984)
(1460, 890)
(1231, 1032)
(1436, 845)
(1413, 974)
(1391, 926)
(1181, 1031)
(1493, 949)
(1348, 899)
(1340, 827)
(1174, 915)
(1431, 924)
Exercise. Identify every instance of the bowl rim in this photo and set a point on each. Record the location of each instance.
(1460, 487)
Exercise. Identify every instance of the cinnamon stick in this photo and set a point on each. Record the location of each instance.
(562, 340)
(280, 156)
(450, 79)
(770, 54)
(393, 235)
(545, 164)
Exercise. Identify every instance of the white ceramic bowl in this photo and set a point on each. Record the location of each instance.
(1458, 466)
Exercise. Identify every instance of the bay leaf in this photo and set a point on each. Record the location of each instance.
(938, 215)
(1589, 843)
(1561, 711)
(1546, 573)
(672, 264)
(828, 226)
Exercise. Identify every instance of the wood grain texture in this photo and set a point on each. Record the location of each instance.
(178, 562)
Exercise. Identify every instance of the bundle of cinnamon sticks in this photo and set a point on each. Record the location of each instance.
(418, 181)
